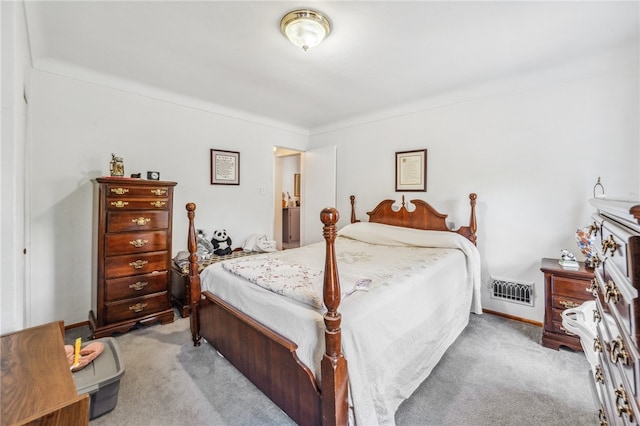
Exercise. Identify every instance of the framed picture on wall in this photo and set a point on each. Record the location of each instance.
(411, 170)
(225, 167)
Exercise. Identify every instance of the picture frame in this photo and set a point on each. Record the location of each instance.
(411, 171)
(225, 167)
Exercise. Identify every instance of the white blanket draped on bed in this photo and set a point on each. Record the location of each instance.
(424, 283)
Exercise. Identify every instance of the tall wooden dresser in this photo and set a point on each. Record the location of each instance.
(616, 373)
(132, 259)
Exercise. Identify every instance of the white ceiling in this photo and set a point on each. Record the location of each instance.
(380, 55)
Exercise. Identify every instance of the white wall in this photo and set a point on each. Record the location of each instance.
(76, 127)
(532, 156)
(16, 66)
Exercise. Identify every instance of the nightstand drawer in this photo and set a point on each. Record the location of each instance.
(570, 287)
(136, 308)
(135, 286)
(137, 221)
(135, 242)
(562, 302)
(556, 327)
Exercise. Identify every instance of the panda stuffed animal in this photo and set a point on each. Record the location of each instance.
(221, 242)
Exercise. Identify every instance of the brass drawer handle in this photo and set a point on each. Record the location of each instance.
(593, 287)
(138, 263)
(138, 243)
(609, 243)
(119, 204)
(158, 191)
(622, 403)
(598, 376)
(568, 304)
(593, 229)
(138, 307)
(597, 345)
(158, 204)
(138, 286)
(602, 418)
(611, 292)
(596, 316)
(141, 221)
(618, 351)
(119, 191)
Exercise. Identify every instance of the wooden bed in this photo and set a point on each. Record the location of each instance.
(267, 358)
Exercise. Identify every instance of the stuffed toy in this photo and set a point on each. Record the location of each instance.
(221, 242)
(205, 248)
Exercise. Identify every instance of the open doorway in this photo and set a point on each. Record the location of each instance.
(287, 198)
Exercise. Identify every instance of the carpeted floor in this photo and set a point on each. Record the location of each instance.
(496, 373)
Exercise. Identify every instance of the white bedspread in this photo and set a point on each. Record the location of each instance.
(424, 283)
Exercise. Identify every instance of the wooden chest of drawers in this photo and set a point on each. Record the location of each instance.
(564, 288)
(132, 262)
(616, 373)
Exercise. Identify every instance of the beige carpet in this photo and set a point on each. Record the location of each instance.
(496, 373)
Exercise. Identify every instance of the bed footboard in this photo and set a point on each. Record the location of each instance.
(265, 357)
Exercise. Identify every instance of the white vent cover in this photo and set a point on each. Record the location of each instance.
(512, 291)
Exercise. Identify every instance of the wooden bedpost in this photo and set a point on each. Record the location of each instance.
(473, 224)
(334, 366)
(193, 289)
(353, 209)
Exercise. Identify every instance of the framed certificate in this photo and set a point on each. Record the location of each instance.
(411, 170)
(225, 167)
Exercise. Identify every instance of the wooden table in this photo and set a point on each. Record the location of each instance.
(37, 385)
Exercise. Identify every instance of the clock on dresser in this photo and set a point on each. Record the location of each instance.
(132, 259)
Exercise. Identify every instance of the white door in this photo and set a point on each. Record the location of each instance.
(318, 182)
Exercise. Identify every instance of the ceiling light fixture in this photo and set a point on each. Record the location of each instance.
(305, 28)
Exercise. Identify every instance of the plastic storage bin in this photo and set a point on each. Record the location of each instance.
(101, 379)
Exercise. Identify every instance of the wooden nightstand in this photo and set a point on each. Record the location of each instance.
(564, 288)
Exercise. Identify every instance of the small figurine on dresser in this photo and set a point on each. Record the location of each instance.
(116, 167)
(568, 260)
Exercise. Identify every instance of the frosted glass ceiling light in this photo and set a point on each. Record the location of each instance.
(305, 28)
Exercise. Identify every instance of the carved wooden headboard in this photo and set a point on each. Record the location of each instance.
(422, 217)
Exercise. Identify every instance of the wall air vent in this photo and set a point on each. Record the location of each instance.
(512, 291)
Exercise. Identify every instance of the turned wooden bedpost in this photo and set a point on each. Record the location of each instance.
(334, 366)
(473, 224)
(353, 209)
(193, 289)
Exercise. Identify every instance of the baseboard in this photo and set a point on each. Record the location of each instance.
(513, 317)
(76, 325)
